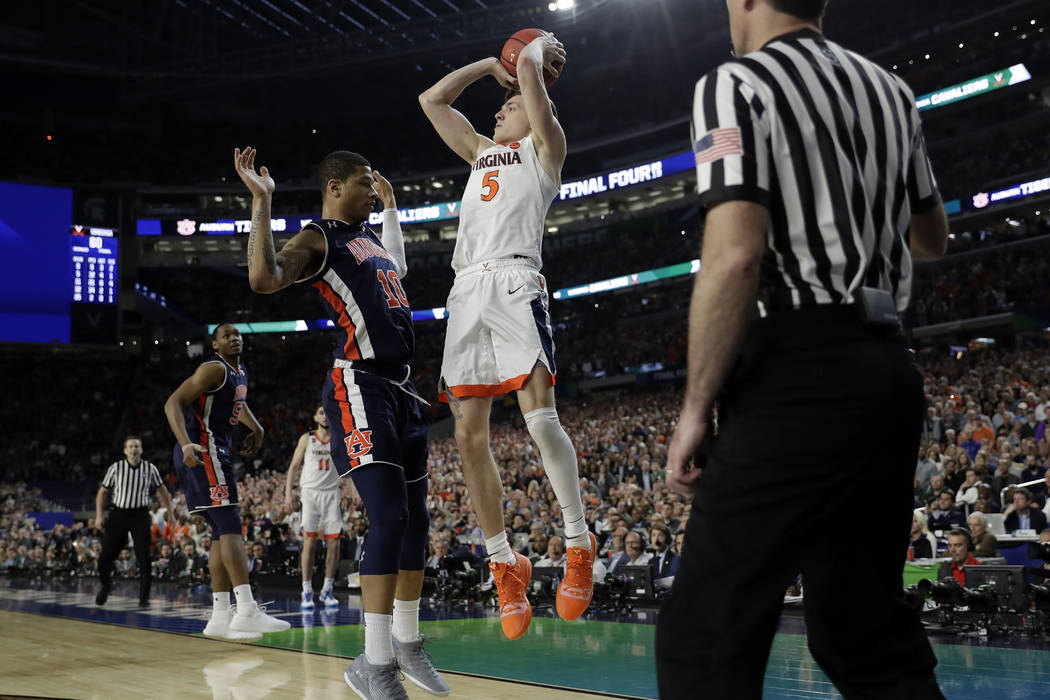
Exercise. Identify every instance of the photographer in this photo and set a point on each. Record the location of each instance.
(960, 549)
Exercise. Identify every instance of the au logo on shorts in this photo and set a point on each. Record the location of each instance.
(219, 493)
(358, 443)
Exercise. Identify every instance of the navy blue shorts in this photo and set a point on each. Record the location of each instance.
(374, 422)
(209, 484)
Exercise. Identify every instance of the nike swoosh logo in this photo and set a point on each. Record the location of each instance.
(516, 290)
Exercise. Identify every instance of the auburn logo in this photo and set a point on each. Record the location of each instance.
(358, 443)
(219, 493)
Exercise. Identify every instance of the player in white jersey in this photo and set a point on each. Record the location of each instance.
(499, 336)
(319, 493)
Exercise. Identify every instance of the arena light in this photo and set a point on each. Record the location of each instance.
(631, 280)
(972, 88)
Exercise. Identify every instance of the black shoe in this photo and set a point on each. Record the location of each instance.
(143, 602)
(102, 596)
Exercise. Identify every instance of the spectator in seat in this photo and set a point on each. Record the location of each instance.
(923, 543)
(555, 553)
(984, 542)
(959, 549)
(617, 549)
(664, 562)
(968, 490)
(925, 468)
(1032, 469)
(1003, 477)
(634, 552)
(257, 559)
(1020, 515)
(944, 515)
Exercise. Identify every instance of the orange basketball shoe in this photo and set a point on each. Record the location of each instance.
(515, 611)
(576, 589)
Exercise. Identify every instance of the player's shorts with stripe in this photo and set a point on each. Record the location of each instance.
(209, 484)
(374, 421)
(499, 327)
(321, 512)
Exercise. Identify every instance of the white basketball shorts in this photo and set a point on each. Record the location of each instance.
(499, 327)
(321, 513)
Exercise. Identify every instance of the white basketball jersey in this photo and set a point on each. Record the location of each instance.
(504, 206)
(317, 466)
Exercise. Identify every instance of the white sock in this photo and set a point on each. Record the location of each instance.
(378, 648)
(245, 599)
(406, 620)
(220, 603)
(498, 549)
(308, 587)
(328, 583)
(559, 461)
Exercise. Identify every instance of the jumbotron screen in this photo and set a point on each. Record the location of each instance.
(58, 281)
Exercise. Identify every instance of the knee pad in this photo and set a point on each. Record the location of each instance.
(223, 521)
(382, 489)
(414, 543)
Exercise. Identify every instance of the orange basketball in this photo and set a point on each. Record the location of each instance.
(513, 47)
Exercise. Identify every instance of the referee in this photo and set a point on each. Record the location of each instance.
(131, 480)
(818, 194)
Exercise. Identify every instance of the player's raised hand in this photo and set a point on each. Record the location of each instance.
(385, 190)
(553, 53)
(503, 76)
(189, 454)
(260, 184)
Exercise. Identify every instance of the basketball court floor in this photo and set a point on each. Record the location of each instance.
(58, 643)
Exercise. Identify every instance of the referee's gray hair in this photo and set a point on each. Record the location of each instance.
(129, 437)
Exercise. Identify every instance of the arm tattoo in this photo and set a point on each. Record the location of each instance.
(269, 256)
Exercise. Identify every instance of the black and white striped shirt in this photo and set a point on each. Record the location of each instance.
(131, 486)
(832, 145)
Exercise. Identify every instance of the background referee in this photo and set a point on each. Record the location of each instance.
(132, 480)
(812, 168)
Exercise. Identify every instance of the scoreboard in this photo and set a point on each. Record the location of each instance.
(58, 282)
(94, 265)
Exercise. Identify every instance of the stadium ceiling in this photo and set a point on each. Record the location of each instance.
(227, 41)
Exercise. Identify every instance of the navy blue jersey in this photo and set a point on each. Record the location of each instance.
(212, 419)
(363, 294)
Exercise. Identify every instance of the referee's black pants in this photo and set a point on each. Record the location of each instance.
(121, 521)
(811, 473)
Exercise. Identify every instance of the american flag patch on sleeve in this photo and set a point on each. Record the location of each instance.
(718, 143)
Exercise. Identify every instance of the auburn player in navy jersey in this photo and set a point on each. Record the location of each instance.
(203, 414)
(378, 434)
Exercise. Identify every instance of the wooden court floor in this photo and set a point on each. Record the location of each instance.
(62, 658)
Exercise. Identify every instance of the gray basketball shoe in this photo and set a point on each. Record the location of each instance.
(372, 682)
(415, 663)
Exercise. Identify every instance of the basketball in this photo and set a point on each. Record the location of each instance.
(513, 47)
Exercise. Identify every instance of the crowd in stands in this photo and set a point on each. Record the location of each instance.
(984, 438)
(1015, 278)
(986, 430)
